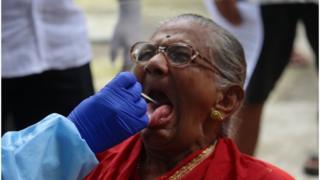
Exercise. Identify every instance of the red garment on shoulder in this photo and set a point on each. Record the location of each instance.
(225, 163)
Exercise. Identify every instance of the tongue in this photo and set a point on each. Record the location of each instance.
(158, 116)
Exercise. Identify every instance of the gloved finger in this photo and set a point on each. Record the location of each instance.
(135, 90)
(137, 124)
(123, 80)
(145, 120)
(137, 108)
(141, 107)
(132, 123)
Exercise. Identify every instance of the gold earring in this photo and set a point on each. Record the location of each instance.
(216, 115)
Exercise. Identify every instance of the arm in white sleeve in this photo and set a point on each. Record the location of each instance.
(51, 149)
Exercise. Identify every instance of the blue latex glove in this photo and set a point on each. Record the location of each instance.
(113, 114)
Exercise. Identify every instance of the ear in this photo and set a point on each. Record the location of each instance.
(229, 100)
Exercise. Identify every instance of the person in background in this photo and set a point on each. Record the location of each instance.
(46, 58)
(63, 148)
(279, 19)
(243, 20)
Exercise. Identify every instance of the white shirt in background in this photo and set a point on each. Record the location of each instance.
(40, 35)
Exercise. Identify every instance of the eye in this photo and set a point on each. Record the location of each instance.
(145, 55)
(179, 54)
(144, 52)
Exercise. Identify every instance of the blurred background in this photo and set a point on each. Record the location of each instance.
(289, 131)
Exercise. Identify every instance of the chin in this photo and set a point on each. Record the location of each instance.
(157, 138)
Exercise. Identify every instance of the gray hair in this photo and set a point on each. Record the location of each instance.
(226, 53)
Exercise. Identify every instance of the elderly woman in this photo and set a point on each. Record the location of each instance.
(194, 70)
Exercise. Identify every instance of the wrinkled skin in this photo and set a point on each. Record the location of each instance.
(192, 92)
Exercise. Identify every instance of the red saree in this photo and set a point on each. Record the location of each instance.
(225, 163)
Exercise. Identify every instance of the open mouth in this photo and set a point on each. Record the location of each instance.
(160, 112)
(160, 97)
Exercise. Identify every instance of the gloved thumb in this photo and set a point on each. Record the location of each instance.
(123, 80)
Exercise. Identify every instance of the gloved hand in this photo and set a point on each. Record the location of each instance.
(113, 114)
(126, 31)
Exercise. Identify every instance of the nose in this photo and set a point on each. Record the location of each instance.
(157, 65)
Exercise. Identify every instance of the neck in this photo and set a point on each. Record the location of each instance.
(153, 164)
(164, 160)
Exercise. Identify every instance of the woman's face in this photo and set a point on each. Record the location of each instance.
(185, 95)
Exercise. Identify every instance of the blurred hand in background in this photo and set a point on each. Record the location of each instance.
(126, 31)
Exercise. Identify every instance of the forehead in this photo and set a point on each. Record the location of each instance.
(180, 31)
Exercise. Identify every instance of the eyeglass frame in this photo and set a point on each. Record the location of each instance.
(162, 49)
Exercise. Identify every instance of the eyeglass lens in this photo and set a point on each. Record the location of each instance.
(177, 54)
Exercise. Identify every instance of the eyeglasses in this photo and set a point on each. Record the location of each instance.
(177, 54)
